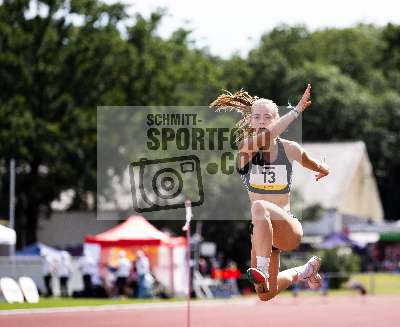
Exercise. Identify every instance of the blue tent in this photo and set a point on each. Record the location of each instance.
(36, 249)
(337, 239)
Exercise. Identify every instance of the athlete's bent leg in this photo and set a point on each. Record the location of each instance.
(261, 244)
(278, 281)
(262, 231)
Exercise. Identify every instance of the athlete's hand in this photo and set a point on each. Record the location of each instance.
(305, 99)
(323, 170)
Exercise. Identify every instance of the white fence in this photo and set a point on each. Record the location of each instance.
(31, 266)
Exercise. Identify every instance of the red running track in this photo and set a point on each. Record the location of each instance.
(284, 311)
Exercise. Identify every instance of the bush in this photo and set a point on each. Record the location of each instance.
(340, 261)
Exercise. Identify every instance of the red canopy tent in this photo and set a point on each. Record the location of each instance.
(137, 233)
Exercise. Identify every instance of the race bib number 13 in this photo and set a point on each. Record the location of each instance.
(271, 177)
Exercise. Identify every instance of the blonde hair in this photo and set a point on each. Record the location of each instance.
(242, 102)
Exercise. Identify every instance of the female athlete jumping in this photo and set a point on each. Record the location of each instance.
(265, 166)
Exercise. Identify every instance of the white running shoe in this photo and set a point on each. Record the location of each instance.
(258, 278)
(314, 280)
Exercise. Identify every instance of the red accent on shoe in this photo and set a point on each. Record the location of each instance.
(256, 276)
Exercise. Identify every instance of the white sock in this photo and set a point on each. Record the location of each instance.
(263, 264)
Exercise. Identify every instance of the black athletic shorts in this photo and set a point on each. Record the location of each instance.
(251, 226)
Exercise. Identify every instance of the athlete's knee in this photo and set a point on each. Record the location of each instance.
(263, 296)
(258, 210)
(266, 296)
(272, 291)
(295, 241)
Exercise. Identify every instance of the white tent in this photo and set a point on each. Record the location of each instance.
(7, 235)
(350, 189)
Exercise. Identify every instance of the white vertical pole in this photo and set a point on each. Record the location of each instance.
(11, 219)
(189, 215)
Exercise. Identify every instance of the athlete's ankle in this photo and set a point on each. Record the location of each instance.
(263, 264)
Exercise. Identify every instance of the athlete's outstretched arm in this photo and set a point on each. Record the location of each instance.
(321, 167)
(263, 139)
(303, 158)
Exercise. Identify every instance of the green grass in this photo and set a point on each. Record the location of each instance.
(383, 284)
(71, 302)
(378, 284)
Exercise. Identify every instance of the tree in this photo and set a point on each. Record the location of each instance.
(53, 74)
(56, 70)
(390, 55)
(354, 50)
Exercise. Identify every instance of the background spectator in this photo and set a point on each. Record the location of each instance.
(48, 269)
(88, 268)
(143, 271)
(122, 273)
(64, 271)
